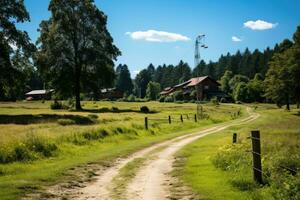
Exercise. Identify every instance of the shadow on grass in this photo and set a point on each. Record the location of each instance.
(297, 114)
(114, 110)
(42, 118)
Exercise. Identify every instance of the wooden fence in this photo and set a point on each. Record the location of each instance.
(171, 119)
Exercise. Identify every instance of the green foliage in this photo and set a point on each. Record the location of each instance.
(56, 105)
(282, 80)
(225, 79)
(65, 122)
(75, 49)
(241, 92)
(193, 95)
(178, 95)
(131, 98)
(231, 157)
(214, 101)
(153, 90)
(161, 99)
(15, 63)
(123, 81)
(144, 109)
(30, 149)
(169, 99)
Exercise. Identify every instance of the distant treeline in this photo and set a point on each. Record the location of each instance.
(271, 75)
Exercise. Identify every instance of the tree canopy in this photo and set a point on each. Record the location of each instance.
(75, 49)
(123, 80)
(12, 42)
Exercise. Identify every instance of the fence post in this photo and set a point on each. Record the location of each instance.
(234, 138)
(181, 118)
(195, 117)
(256, 152)
(146, 123)
(169, 119)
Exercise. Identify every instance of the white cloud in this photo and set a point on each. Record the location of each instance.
(236, 39)
(157, 36)
(259, 25)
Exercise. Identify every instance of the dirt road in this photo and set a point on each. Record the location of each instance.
(151, 181)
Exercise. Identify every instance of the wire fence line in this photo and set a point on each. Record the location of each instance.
(171, 119)
(256, 154)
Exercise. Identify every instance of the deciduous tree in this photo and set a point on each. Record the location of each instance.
(75, 48)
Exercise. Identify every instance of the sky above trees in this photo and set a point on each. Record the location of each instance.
(160, 32)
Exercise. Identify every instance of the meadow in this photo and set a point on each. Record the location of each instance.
(214, 161)
(40, 147)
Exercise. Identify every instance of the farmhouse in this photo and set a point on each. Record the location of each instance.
(39, 94)
(111, 93)
(206, 87)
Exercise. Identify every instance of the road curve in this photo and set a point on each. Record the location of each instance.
(151, 182)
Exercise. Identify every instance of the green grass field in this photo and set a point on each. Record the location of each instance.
(40, 146)
(214, 168)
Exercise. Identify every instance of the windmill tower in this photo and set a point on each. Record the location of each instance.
(199, 43)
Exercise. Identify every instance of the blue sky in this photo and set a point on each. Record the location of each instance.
(176, 23)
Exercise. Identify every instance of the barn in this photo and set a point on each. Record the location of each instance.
(206, 86)
(39, 94)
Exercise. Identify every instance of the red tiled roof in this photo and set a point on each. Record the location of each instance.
(195, 81)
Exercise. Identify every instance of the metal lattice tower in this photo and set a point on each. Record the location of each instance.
(199, 44)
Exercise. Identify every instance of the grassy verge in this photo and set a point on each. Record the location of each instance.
(215, 169)
(114, 135)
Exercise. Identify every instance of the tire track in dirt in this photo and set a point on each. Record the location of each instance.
(152, 181)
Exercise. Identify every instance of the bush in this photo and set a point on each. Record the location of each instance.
(131, 98)
(95, 135)
(56, 105)
(178, 95)
(161, 99)
(65, 122)
(115, 109)
(223, 100)
(214, 101)
(169, 99)
(144, 109)
(193, 94)
(232, 157)
(93, 116)
(31, 149)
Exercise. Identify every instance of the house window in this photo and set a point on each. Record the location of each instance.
(206, 87)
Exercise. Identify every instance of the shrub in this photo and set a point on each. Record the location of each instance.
(56, 105)
(223, 100)
(70, 104)
(144, 109)
(95, 135)
(169, 99)
(214, 101)
(162, 99)
(178, 95)
(131, 98)
(93, 116)
(115, 109)
(65, 122)
(193, 94)
(41, 146)
(232, 157)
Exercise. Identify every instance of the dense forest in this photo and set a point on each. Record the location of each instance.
(71, 60)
